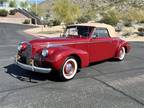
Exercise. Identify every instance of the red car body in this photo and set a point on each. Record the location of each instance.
(85, 49)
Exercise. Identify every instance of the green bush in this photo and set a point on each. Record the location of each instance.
(111, 17)
(3, 12)
(54, 22)
(109, 20)
(12, 12)
(142, 21)
(84, 19)
(26, 21)
(141, 29)
(66, 11)
(135, 14)
(127, 23)
(12, 4)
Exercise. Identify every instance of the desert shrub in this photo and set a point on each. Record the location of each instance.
(12, 12)
(3, 12)
(142, 21)
(66, 11)
(108, 20)
(56, 22)
(111, 17)
(134, 14)
(141, 29)
(84, 19)
(50, 23)
(27, 21)
(127, 23)
(53, 22)
(12, 4)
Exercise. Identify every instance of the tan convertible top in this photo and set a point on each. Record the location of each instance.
(110, 28)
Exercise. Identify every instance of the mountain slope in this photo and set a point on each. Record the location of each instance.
(99, 3)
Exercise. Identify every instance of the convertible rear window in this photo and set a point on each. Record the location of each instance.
(83, 31)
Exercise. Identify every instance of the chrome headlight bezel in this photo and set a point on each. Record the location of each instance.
(22, 46)
(19, 47)
(44, 52)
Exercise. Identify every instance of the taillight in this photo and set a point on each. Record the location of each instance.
(22, 46)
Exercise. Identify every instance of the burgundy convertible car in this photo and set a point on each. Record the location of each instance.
(80, 45)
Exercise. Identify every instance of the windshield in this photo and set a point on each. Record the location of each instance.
(82, 31)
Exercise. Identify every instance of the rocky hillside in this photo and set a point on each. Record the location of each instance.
(119, 4)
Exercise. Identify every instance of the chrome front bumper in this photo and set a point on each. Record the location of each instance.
(33, 68)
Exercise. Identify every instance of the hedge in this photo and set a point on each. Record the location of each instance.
(3, 12)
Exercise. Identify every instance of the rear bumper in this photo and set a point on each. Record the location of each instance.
(32, 67)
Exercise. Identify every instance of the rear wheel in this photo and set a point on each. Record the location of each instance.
(122, 53)
(69, 69)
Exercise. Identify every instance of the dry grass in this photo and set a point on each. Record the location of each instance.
(133, 14)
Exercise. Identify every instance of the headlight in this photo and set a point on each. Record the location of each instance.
(22, 46)
(44, 52)
(19, 47)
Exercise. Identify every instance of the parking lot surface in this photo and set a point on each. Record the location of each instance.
(107, 84)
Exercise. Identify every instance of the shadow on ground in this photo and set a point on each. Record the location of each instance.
(25, 75)
(33, 77)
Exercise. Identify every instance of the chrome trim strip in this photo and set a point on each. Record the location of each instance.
(33, 68)
(59, 44)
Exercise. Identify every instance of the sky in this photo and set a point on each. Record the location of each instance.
(33, 1)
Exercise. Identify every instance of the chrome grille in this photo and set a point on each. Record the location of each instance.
(37, 60)
(26, 54)
(28, 51)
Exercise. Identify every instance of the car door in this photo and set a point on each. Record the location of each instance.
(101, 45)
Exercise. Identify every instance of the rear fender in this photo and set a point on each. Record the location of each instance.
(122, 44)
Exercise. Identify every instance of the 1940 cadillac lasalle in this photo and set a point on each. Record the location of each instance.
(80, 45)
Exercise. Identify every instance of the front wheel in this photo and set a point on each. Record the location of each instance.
(122, 54)
(69, 69)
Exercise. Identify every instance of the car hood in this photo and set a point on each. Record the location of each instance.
(39, 44)
(56, 41)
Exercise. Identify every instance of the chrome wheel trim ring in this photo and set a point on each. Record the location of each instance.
(122, 53)
(69, 68)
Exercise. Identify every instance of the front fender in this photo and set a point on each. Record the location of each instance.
(58, 55)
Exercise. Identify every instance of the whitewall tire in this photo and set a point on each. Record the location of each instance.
(122, 54)
(69, 69)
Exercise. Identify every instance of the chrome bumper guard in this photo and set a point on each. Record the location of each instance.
(33, 68)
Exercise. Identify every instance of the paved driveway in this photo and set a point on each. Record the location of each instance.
(109, 84)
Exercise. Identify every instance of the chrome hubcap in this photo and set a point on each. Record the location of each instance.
(122, 53)
(69, 68)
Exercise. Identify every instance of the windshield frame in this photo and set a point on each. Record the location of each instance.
(88, 31)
